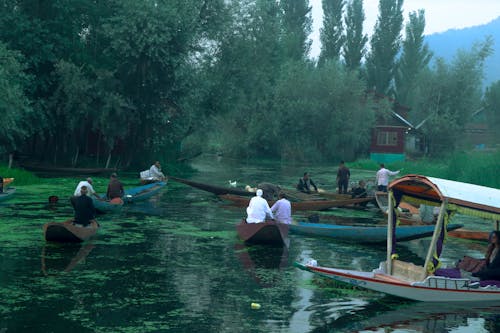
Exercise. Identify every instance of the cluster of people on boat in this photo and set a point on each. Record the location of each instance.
(258, 210)
(83, 204)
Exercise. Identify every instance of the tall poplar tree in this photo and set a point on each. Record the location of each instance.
(385, 44)
(355, 41)
(331, 35)
(296, 28)
(415, 57)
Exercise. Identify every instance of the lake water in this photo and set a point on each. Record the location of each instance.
(175, 264)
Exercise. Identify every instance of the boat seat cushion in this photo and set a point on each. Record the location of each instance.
(485, 283)
(453, 273)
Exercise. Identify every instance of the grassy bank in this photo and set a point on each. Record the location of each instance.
(22, 177)
(470, 167)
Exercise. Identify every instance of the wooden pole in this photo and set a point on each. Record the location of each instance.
(390, 225)
(437, 231)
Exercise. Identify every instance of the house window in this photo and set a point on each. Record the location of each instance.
(387, 138)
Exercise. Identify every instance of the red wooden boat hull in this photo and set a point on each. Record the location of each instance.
(269, 232)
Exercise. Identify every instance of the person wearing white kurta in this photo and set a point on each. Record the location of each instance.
(155, 171)
(383, 177)
(282, 209)
(90, 189)
(258, 209)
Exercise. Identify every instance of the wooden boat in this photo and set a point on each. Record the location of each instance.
(299, 205)
(426, 283)
(66, 170)
(104, 206)
(218, 190)
(6, 182)
(470, 234)
(365, 233)
(144, 192)
(405, 209)
(269, 232)
(67, 232)
(7, 194)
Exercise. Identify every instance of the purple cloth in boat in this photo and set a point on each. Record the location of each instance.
(485, 283)
(453, 273)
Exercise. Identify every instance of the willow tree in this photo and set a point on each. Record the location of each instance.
(385, 45)
(355, 41)
(332, 33)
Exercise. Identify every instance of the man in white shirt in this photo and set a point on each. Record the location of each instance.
(382, 177)
(90, 189)
(155, 171)
(258, 209)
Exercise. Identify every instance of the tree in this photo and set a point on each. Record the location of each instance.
(332, 33)
(415, 57)
(385, 45)
(492, 106)
(355, 41)
(296, 28)
(15, 106)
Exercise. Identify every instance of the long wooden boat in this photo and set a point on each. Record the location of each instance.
(7, 194)
(364, 233)
(67, 232)
(405, 209)
(269, 232)
(66, 170)
(470, 234)
(144, 192)
(218, 190)
(425, 282)
(299, 205)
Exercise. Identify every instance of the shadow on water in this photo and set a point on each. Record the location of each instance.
(391, 313)
(63, 258)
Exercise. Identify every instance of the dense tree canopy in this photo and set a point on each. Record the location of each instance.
(121, 82)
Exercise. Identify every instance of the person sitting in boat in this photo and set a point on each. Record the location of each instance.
(282, 209)
(360, 192)
(88, 184)
(155, 171)
(258, 209)
(491, 271)
(305, 184)
(270, 191)
(115, 188)
(84, 208)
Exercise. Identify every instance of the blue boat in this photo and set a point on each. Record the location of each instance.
(7, 193)
(104, 206)
(365, 233)
(144, 192)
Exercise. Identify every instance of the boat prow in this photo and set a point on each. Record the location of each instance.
(269, 232)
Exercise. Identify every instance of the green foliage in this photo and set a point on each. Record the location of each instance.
(385, 45)
(332, 33)
(492, 106)
(21, 177)
(355, 41)
(296, 25)
(14, 104)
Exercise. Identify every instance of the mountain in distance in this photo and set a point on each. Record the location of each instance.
(446, 44)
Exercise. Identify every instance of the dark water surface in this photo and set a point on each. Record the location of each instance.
(174, 264)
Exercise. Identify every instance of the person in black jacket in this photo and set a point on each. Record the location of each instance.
(492, 269)
(305, 184)
(84, 208)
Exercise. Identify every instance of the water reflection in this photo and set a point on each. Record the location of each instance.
(62, 258)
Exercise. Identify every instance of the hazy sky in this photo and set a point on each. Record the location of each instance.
(440, 15)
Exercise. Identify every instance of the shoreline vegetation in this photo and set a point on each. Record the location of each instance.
(470, 167)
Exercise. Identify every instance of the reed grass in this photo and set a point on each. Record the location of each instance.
(22, 177)
(481, 168)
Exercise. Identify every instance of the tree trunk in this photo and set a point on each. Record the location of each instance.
(75, 159)
(11, 159)
(98, 150)
(108, 160)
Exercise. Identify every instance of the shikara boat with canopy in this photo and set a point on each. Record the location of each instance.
(427, 282)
